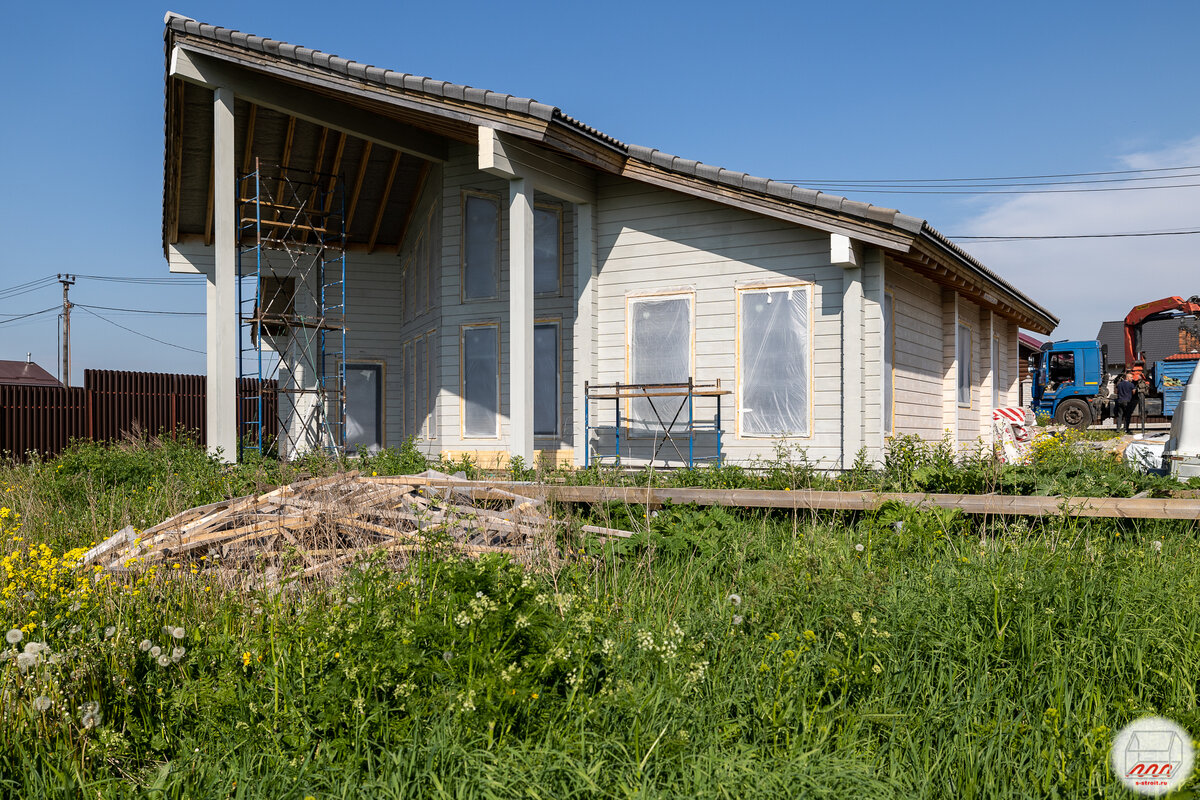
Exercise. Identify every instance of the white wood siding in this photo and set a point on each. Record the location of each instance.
(918, 355)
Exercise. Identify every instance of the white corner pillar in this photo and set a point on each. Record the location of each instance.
(843, 253)
(583, 348)
(520, 318)
(950, 364)
(222, 334)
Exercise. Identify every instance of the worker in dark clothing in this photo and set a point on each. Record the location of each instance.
(1126, 400)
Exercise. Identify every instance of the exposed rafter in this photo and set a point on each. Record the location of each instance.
(358, 182)
(412, 205)
(383, 200)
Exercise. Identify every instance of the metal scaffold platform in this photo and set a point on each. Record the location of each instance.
(292, 308)
(656, 414)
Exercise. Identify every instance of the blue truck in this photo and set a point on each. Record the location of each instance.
(1073, 385)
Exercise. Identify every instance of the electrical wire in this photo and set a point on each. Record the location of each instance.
(179, 280)
(139, 333)
(1073, 236)
(143, 311)
(842, 188)
(1003, 177)
(30, 314)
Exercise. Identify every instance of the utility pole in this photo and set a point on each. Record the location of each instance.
(67, 282)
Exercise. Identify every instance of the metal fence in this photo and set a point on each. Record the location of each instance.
(112, 404)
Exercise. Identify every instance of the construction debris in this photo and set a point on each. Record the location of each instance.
(316, 526)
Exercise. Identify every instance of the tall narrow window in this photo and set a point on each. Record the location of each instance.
(432, 380)
(889, 363)
(421, 350)
(660, 351)
(364, 408)
(546, 380)
(410, 395)
(964, 365)
(481, 381)
(547, 250)
(774, 388)
(996, 372)
(481, 247)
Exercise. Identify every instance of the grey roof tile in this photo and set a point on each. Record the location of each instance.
(476, 96)
(374, 75)
(708, 172)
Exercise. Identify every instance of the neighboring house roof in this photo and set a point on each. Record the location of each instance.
(930, 251)
(25, 373)
(1160, 338)
(1025, 340)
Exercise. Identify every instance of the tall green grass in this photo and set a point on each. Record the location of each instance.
(720, 653)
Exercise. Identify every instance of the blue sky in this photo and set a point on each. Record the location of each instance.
(790, 90)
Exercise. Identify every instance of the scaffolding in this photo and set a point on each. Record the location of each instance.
(292, 308)
(673, 409)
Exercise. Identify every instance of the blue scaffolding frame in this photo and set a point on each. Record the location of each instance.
(291, 301)
(673, 431)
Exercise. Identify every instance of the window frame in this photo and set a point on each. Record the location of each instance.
(558, 213)
(888, 311)
(462, 245)
(995, 372)
(556, 323)
(381, 405)
(964, 375)
(462, 382)
(432, 390)
(630, 300)
(810, 290)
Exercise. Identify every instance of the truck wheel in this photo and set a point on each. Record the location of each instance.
(1073, 413)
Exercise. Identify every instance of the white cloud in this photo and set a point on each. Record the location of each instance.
(1087, 281)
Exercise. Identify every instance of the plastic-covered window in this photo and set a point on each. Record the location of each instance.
(889, 362)
(547, 253)
(410, 395)
(481, 238)
(774, 381)
(964, 365)
(432, 381)
(481, 381)
(545, 379)
(363, 408)
(421, 348)
(660, 351)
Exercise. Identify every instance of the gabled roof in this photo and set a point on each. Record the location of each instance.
(550, 126)
(25, 373)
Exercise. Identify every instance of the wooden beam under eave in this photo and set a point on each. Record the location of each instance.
(248, 152)
(337, 165)
(208, 209)
(358, 182)
(412, 206)
(180, 93)
(383, 201)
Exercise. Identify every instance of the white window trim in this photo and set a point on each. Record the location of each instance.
(558, 427)
(462, 245)
(382, 364)
(462, 383)
(890, 326)
(810, 291)
(558, 212)
(970, 383)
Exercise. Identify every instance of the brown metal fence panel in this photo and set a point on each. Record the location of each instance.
(113, 404)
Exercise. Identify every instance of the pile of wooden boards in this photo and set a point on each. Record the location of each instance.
(318, 525)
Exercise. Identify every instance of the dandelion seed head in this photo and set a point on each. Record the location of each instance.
(110, 631)
(25, 661)
(1157, 545)
(859, 547)
(13, 636)
(155, 651)
(178, 633)
(41, 704)
(446, 656)
(145, 645)
(736, 599)
(737, 619)
(164, 660)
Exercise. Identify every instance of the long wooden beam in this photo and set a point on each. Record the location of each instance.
(362, 173)
(383, 201)
(412, 206)
(812, 500)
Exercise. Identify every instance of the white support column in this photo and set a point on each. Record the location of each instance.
(520, 318)
(950, 364)
(843, 253)
(585, 321)
(987, 385)
(222, 346)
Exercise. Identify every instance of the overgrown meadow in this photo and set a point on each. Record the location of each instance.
(718, 653)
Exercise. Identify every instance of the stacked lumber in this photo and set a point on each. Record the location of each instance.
(317, 525)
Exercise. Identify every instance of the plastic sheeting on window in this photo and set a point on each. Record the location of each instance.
(545, 380)
(546, 251)
(996, 372)
(964, 365)
(774, 378)
(481, 245)
(421, 348)
(889, 364)
(481, 381)
(363, 408)
(660, 351)
(410, 396)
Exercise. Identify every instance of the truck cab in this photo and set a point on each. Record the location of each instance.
(1070, 383)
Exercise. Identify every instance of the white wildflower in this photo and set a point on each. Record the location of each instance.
(1157, 545)
(110, 631)
(178, 633)
(164, 660)
(25, 661)
(155, 651)
(859, 547)
(91, 714)
(178, 653)
(41, 704)
(737, 619)
(736, 599)
(145, 645)
(13, 636)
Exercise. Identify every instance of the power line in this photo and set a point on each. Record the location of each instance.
(139, 333)
(864, 186)
(1002, 178)
(1074, 236)
(30, 314)
(1015, 191)
(180, 280)
(144, 311)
